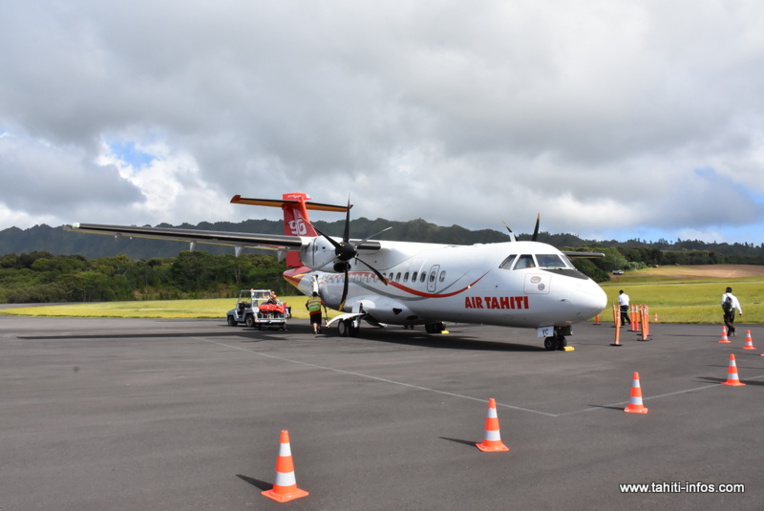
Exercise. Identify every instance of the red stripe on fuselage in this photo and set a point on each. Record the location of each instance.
(296, 275)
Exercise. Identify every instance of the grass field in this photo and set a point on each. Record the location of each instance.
(677, 294)
(212, 308)
(691, 294)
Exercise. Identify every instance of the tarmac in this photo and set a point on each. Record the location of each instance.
(152, 414)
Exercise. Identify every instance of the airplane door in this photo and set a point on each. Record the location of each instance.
(432, 278)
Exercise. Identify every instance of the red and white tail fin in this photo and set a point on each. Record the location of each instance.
(296, 219)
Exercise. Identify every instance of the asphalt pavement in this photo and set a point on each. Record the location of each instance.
(133, 414)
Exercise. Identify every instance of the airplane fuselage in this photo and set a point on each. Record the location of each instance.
(523, 284)
(517, 283)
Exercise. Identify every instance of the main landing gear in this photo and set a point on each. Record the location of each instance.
(349, 327)
(558, 341)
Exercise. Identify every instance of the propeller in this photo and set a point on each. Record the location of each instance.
(511, 234)
(345, 251)
(534, 236)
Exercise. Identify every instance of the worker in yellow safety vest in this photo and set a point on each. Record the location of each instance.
(314, 305)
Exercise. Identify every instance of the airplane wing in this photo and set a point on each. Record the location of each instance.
(231, 239)
(582, 255)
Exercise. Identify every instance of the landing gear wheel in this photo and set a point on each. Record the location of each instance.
(434, 328)
(558, 341)
(343, 327)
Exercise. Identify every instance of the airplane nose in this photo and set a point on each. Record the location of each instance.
(590, 299)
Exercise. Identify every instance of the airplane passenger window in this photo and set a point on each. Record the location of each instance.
(432, 276)
(398, 277)
(442, 276)
(525, 261)
(413, 277)
(550, 261)
(422, 277)
(406, 277)
(507, 263)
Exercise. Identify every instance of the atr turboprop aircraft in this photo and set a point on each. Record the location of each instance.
(516, 283)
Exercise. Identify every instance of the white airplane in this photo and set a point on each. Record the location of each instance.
(516, 283)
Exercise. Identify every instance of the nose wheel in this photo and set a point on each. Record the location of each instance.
(557, 341)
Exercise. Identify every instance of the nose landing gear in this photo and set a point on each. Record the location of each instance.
(558, 341)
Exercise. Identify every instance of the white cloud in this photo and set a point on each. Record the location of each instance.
(607, 118)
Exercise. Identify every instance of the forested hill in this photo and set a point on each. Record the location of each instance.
(55, 240)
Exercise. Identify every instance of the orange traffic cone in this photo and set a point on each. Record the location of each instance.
(492, 438)
(635, 401)
(285, 488)
(724, 338)
(732, 377)
(748, 341)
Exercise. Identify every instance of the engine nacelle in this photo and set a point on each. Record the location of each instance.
(319, 255)
(386, 310)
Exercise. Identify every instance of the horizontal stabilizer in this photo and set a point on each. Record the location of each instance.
(280, 203)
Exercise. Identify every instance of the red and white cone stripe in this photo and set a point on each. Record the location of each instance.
(635, 399)
(285, 487)
(492, 437)
(732, 377)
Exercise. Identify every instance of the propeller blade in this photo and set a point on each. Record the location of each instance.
(511, 234)
(536, 229)
(334, 243)
(367, 238)
(376, 272)
(344, 288)
(346, 234)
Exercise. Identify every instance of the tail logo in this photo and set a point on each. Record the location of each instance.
(297, 227)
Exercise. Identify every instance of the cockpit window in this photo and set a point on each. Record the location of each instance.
(525, 261)
(506, 264)
(550, 261)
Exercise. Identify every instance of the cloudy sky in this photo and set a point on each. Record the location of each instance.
(614, 120)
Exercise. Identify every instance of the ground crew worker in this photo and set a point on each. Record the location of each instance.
(314, 305)
(623, 301)
(729, 304)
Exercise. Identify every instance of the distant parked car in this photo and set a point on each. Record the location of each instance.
(617, 272)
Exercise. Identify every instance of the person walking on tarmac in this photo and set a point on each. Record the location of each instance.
(314, 305)
(729, 304)
(623, 301)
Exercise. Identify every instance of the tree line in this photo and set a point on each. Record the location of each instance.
(35, 266)
(43, 238)
(42, 277)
